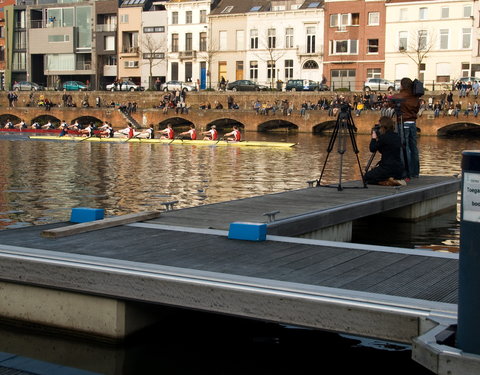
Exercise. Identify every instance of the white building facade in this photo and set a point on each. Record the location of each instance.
(429, 40)
(187, 40)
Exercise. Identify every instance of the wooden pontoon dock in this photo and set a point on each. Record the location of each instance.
(184, 258)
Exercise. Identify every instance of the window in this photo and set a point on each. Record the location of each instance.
(255, 8)
(443, 38)
(174, 42)
(188, 16)
(288, 69)
(131, 64)
(343, 47)
(227, 9)
(445, 13)
(174, 18)
(374, 18)
(466, 37)
(465, 69)
(254, 39)
(403, 14)
(422, 39)
(2, 32)
(374, 73)
(203, 41)
(58, 38)
(311, 39)
(422, 13)
(203, 16)
(271, 69)
(58, 62)
(310, 64)
(154, 56)
(372, 46)
(109, 42)
(188, 42)
(222, 37)
(402, 40)
(344, 19)
(277, 8)
(240, 40)
(253, 69)
(467, 11)
(289, 37)
(154, 29)
(124, 18)
(272, 38)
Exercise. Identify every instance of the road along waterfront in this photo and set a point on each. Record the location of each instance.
(42, 181)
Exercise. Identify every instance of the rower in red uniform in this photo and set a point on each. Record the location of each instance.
(192, 133)
(167, 133)
(211, 135)
(234, 135)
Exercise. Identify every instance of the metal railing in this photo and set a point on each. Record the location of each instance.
(105, 28)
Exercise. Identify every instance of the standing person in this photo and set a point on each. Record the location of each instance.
(157, 84)
(390, 168)
(409, 107)
(211, 135)
(234, 135)
(168, 132)
(192, 133)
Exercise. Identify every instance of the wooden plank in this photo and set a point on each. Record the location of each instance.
(99, 224)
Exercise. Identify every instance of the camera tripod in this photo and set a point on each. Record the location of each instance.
(344, 126)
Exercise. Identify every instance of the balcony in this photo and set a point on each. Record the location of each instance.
(80, 65)
(186, 55)
(105, 28)
(110, 70)
(130, 50)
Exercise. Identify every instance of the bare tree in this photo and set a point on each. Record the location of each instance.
(271, 56)
(418, 47)
(209, 52)
(153, 52)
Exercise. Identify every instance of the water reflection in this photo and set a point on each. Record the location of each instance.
(41, 181)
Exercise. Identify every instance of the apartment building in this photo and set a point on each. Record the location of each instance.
(355, 42)
(153, 45)
(267, 41)
(187, 40)
(3, 38)
(431, 40)
(106, 22)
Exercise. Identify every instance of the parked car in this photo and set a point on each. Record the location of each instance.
(305, 85)
(380, 84)
(245, 85)
(177, 85)
(124, 86)
(27, 86)
(74, 86)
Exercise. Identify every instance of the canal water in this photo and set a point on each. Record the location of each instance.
(41, 181)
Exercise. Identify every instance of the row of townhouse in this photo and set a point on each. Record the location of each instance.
(343, 42)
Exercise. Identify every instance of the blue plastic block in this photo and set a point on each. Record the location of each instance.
(84, 214)
(247, 231)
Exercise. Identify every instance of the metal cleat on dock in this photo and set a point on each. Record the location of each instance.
(169, 205)
(311, 182)
(271, 215)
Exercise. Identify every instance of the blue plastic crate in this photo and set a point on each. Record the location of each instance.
(85, 214)
(247, 231)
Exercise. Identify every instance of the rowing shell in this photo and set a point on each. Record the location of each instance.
(168, 141)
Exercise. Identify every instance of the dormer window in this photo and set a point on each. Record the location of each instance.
(227, 9)
(255, 8)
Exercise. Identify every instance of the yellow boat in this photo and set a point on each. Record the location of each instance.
(166, 141)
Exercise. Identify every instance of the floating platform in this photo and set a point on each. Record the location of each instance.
(98, 273)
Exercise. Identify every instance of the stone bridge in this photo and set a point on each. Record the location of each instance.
(314, 121)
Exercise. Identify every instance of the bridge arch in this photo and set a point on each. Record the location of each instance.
(460, 129)
(6, 117)
(276, 125)
(176, 122)
(83, 120)
(324, 126)
(44, 118)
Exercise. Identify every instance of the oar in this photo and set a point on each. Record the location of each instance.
(90, 136)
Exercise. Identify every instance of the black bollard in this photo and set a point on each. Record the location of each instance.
(468, 331)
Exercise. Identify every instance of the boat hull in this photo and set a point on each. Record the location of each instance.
(167, 141)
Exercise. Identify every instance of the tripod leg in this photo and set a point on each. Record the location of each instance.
(331, 143)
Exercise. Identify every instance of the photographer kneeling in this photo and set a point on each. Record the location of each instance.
(389, 169)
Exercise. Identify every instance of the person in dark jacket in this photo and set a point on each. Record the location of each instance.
(409, 107)
(389, 170)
